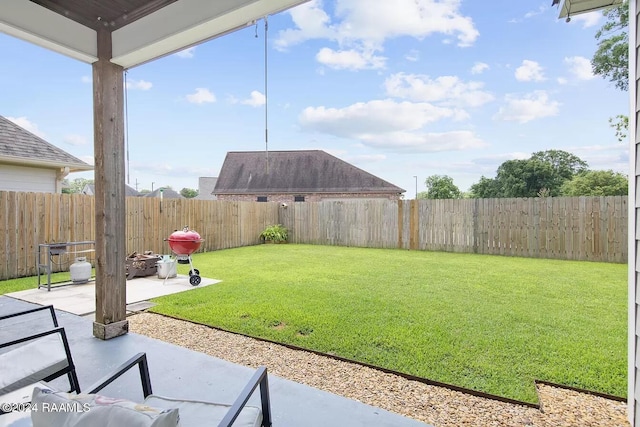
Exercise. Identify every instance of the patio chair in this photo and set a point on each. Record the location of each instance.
(35, 351)
(98, 410)
(28, 363)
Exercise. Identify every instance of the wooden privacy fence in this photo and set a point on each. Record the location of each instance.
(572, 228)
(28, 219)
(575, 228)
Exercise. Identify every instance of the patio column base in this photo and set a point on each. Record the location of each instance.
(112, 330)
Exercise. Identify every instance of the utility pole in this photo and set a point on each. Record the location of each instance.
(416, 178)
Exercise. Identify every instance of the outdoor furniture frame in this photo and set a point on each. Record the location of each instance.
(259, 378)
(41, 370)
(49, 250)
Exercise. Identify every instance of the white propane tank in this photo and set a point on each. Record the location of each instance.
(80, 271)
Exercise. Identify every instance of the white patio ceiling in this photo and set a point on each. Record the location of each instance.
(575, 7)
(142, 30)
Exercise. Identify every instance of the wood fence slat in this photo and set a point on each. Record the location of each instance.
(580, 228)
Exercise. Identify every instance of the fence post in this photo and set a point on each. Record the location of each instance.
(400, 223)
(414, 225)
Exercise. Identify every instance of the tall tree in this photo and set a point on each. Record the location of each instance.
(611, 59)
(565, 166)
(76, 186)
(542, 175)
(486, 188)
(525, 178)
(597, 183)
(440, 187)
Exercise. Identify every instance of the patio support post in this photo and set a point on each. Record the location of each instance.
(108, 124)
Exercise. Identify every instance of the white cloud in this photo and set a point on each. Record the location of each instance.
(533, 13)
(28, 125)
(562, 80)
(388, 124)
(201, 96)
(447, 90)
(424, 142)
(86, 79)
(479, 68)
(580, 67)
(365, 158)
(599, 157)
(75, 140)
(530, 14)
(379, 116)
(138, 84)
(363, 26)
(496, 159)
(257, 99)
(88, 159)
(312, 23)
(524, 109)
(529, 71)
(173, 169)
(350, 59)
(412, 56)
(590, 19)
(186, 53)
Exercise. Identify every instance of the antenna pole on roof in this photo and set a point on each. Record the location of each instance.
(266, 110)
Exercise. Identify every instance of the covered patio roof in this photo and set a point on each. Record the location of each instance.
(141, 30)
(569, 8)
(113, 36)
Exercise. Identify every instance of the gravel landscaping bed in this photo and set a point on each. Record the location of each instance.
(434, 405)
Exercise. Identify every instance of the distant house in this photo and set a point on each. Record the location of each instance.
(297, 176)
(90, 190)
(167, 193)
(206, 185)
(29, 163)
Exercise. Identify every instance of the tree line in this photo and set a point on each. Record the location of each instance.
(551, 173)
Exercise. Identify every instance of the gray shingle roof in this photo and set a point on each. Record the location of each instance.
(167, 193)
(206, 185)
(18, 145)
(90, 189)
(302, 171)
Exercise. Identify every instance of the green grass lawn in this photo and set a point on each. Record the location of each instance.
(488, 323)
(24, 283)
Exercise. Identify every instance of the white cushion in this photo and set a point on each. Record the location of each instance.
(197, 413)
(32, 362)
(96, 411)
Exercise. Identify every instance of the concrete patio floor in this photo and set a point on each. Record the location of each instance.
(179, 372)
(81, 299)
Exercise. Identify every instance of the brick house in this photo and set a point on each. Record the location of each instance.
(297, 176)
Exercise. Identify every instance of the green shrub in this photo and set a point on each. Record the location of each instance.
(275, 233)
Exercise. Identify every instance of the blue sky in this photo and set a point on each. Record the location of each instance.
(400, 89)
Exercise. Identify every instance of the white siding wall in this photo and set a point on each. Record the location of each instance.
(22, 178)
(633, 390)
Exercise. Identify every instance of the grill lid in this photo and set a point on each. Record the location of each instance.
(185, 235)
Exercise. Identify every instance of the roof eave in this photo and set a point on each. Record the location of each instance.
(21, 161)
(570, 8)
(307, 191)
